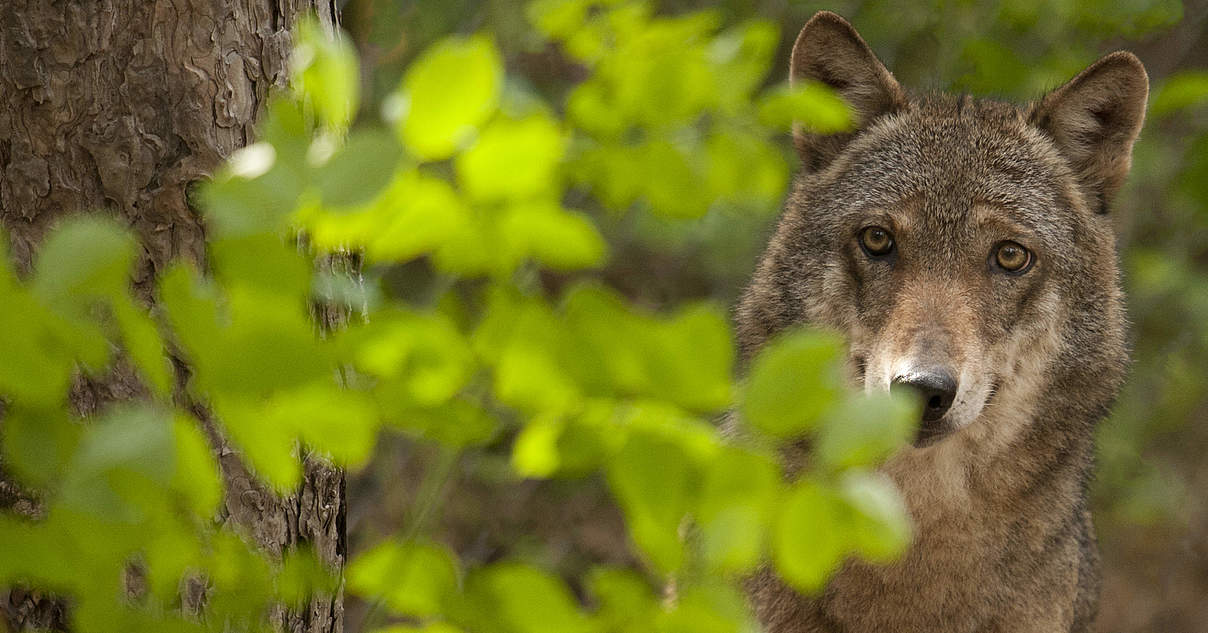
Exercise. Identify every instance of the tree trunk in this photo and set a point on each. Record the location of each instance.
(117, 107)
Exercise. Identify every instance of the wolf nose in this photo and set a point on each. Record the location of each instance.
(937, 387)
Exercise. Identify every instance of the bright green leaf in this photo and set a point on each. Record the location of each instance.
(867, 429)
(793, 382)
(811, 105)
(880, 525)
(448, 93)
(808, 544)
(512, 158)
(414, 579)
(326, 73)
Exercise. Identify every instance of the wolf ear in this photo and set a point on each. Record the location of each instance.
(829, 51)
(1094, 119)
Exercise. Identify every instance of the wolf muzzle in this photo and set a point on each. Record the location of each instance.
(937, 389)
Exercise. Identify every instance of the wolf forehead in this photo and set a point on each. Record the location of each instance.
(944, 154)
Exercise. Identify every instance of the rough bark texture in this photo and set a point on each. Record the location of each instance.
(117, 107)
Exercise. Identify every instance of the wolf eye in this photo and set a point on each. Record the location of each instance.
(876, 241)
(1012, 257)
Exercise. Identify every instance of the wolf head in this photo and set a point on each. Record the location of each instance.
(963, 246)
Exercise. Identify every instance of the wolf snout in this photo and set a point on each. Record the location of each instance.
(936, 387)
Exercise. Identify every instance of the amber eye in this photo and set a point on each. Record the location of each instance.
(876, 241)
(1012, 257)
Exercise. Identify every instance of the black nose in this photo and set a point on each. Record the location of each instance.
(937, 387)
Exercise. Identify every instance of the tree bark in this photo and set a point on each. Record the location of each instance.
(118, 107)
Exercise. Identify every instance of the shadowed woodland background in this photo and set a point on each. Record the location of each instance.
(1151, 502)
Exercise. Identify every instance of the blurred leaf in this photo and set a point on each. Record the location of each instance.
(142, 342)
(512, 158)
(655, 481)
(325, 72)
(336, 422)
(122, 466)
(625, 599)
(434, 627)
(430, 359)
(535, 453)
(361, 169)
(196, 476)
(302, 576)
(414, 579)
(880, 525)
(867, 429)
(559, 239)
(807, 544)
(239, 207)
(519, 598)
(809, 104)
(38, 444)
(456, 424)
(448, 93)
(413, 215)
(793, 382)
(740, 488)
(86, 258)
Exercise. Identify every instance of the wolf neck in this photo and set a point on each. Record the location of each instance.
(1036, 448)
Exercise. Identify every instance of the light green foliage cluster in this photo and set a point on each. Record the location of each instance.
(474, 173)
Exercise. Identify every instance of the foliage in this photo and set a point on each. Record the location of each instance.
(474, 174)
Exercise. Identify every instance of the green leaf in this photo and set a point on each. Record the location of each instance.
(41, 349)
(262, 263)
(625, 599)
(88, 257)
(302, 576)
(325, 72)
(709, 607)
(337, 422)
(809, 104)
(414, 579)
(434, 627)
(457, 423)
(140, 337)
(690, 357)
(413, 215)
(430, 360)
(655, 481)
(512, 159)
(535, 452)
(447, 94)
(270, 449)
(557, 238)
(38, 444)
(880, 527)
(361, 169)
(196, 476)
(518, 598)
(740, 490)
(867, 429)
(793, 382)
(236, 206)
(124, 463)
(808, 543)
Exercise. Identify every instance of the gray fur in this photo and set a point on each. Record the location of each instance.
(1004, 540)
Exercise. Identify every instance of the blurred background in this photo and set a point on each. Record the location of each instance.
(1151, 496)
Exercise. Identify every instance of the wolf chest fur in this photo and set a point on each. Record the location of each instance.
(963, 247)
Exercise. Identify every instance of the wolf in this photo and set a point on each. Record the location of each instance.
(963, 247)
